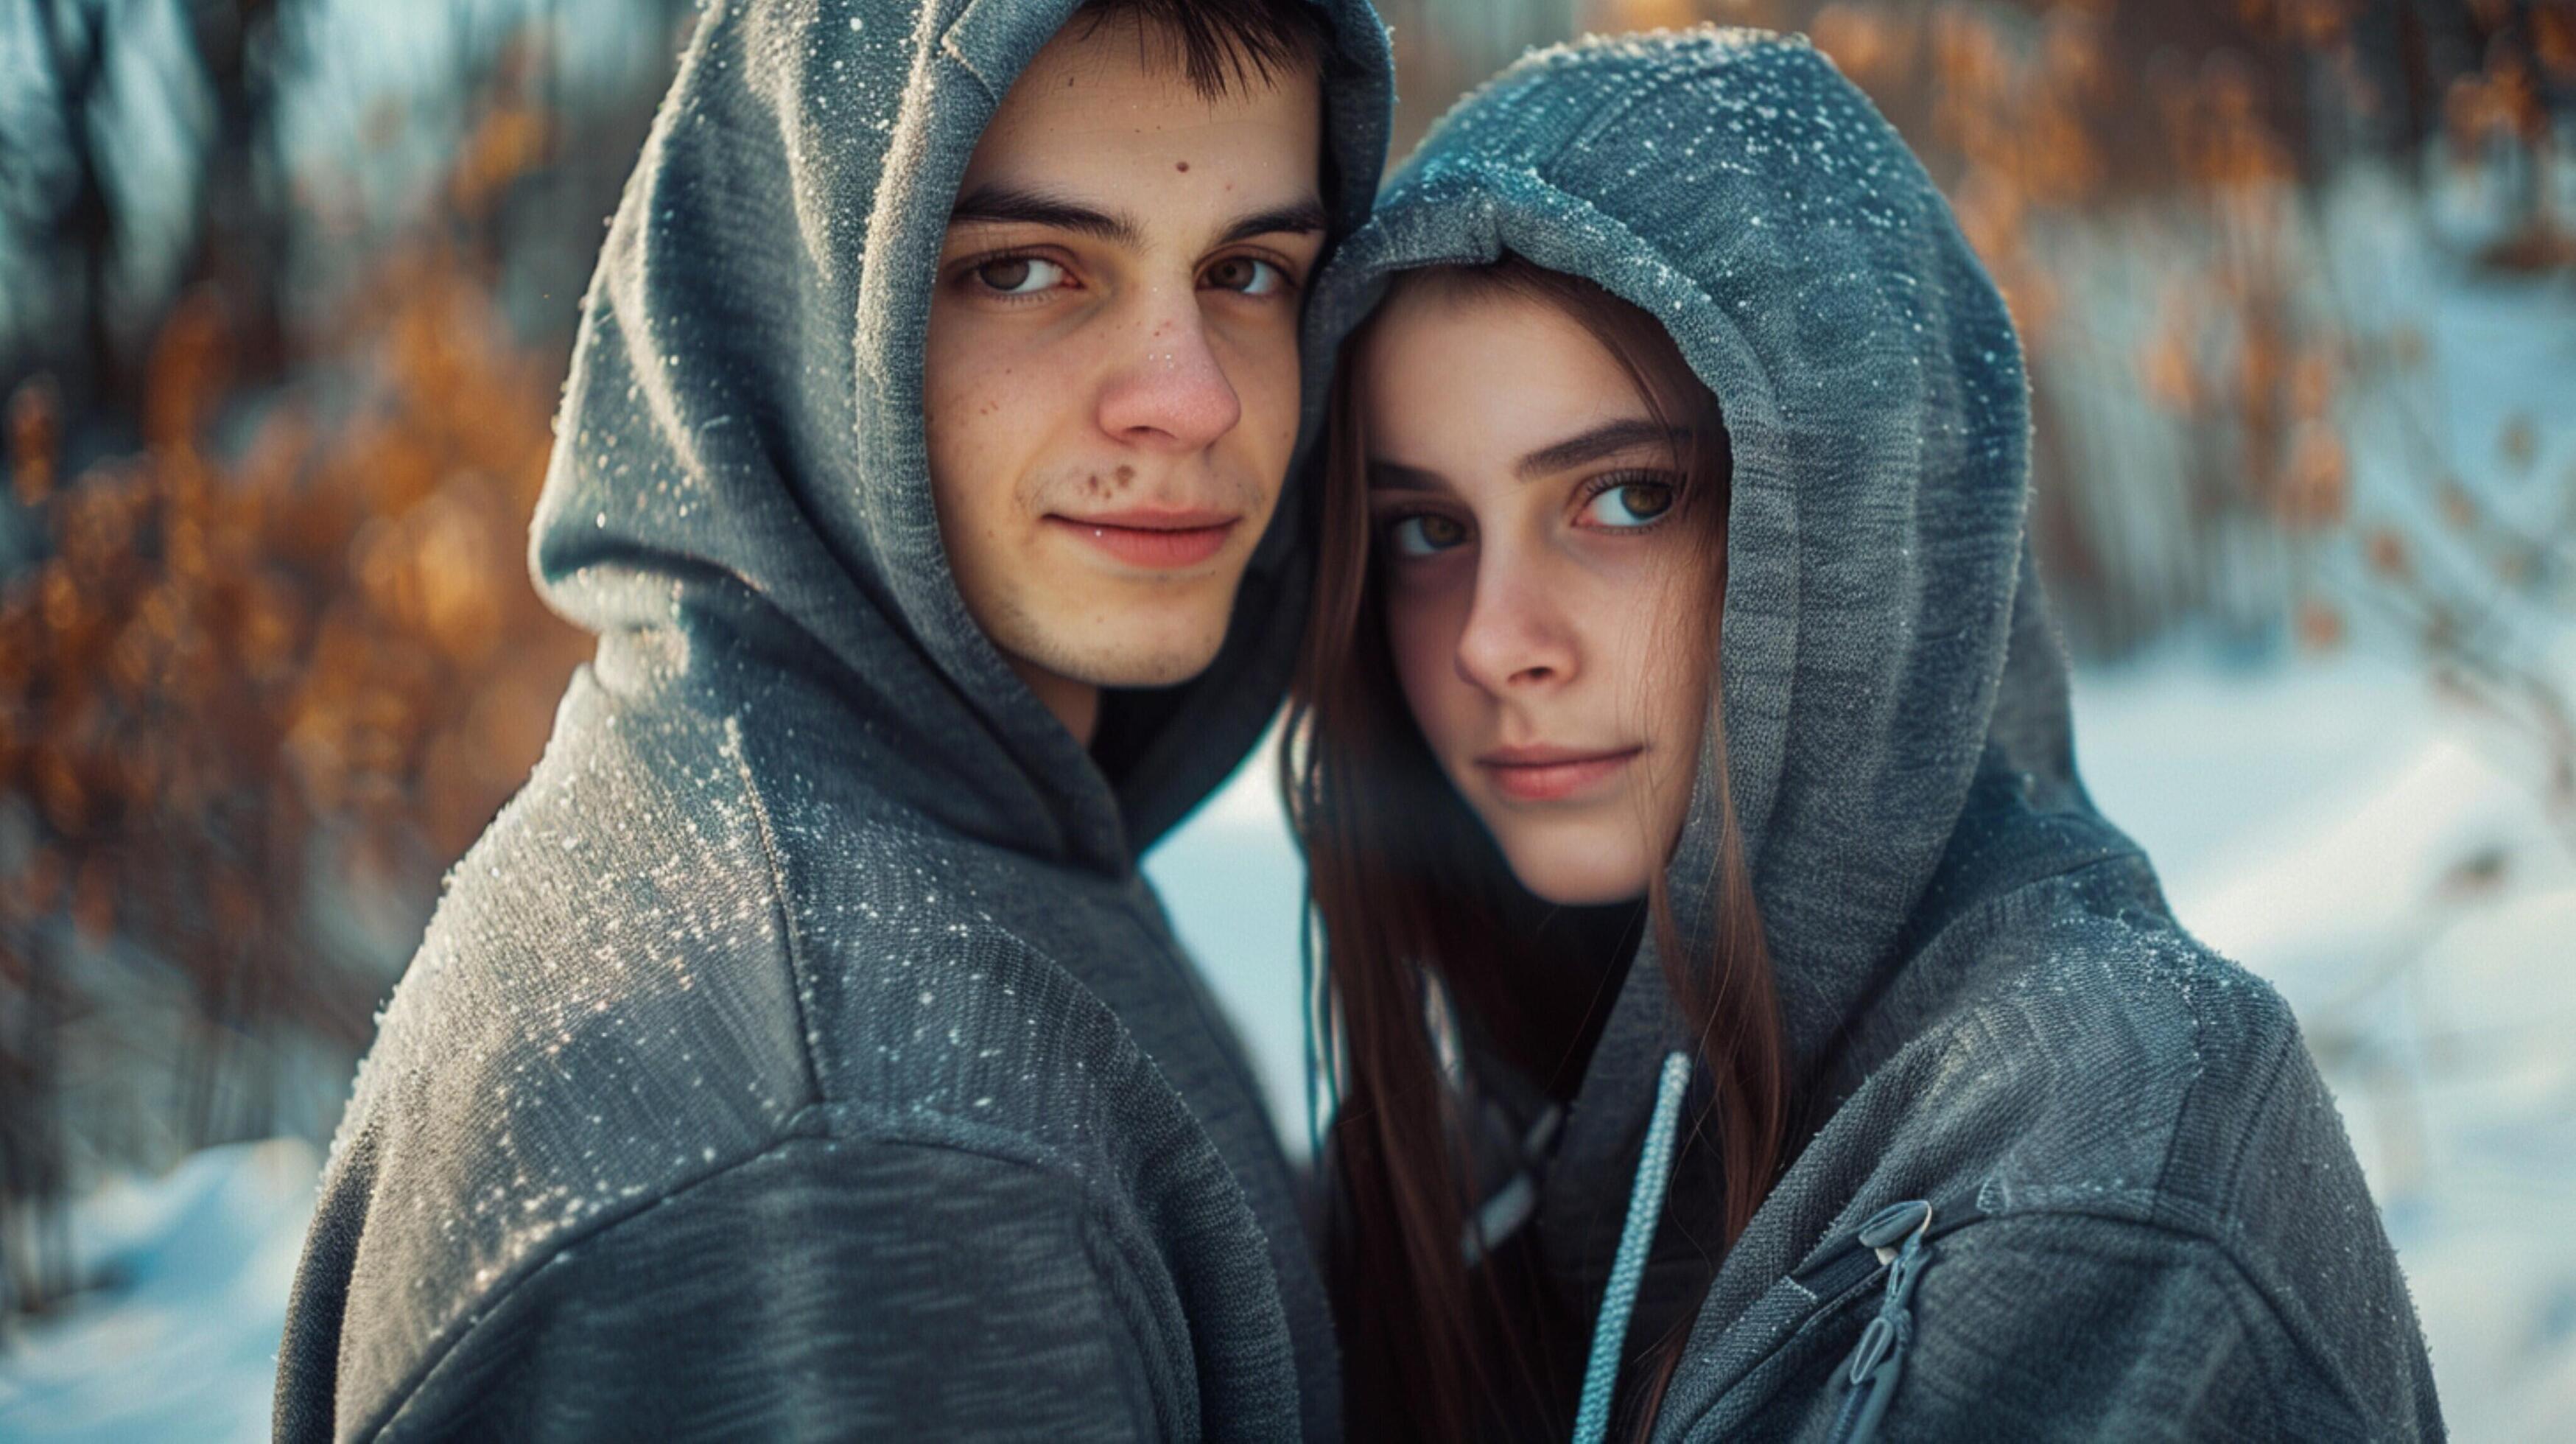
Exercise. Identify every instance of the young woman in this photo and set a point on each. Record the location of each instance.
(1742, 1022)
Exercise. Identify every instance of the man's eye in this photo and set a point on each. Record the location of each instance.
(1425, 534)
(1019, 275)
(1248, 275)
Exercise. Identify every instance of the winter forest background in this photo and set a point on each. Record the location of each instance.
(287, 288)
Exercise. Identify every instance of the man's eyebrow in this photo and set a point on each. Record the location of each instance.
(1299, 218)
(996, 204)
(1608, 439)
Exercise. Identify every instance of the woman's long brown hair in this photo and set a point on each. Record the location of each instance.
(1416, 905)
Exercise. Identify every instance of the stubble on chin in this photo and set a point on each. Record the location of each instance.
(1115, 634)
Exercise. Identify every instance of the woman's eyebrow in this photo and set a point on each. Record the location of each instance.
(1396, 476)
(1607, 439)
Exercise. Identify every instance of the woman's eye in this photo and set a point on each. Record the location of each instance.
(1019, 275)
(1425, 534)
(1248, 275)
(1629, 504)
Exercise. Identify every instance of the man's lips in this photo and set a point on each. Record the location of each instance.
(1549, 774)
(1162, 540)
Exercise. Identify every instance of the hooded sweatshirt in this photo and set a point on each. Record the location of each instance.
(801, 1053)
(2144, 1218)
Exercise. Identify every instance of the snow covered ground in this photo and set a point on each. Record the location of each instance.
(179, 1340)
(2311, 820)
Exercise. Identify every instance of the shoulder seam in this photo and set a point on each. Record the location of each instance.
(2277, 1064)
(787, 933)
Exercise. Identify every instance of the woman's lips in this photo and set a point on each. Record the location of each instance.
(1159, 540)
(1551, 774)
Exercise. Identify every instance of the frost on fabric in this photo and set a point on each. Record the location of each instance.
(552, 1010)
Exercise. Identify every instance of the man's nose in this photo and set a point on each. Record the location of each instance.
(1168, 391)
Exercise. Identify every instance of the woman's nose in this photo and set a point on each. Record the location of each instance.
(1516, 639)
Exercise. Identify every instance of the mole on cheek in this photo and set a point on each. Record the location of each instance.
(1182, 166)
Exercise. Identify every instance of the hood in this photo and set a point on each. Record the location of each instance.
(1882, 644)
(740, 449)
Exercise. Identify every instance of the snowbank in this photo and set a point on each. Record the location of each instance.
(179, 1341)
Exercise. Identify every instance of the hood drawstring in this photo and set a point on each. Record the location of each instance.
(1628, 1270)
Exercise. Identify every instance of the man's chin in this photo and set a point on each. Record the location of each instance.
(1103, 656)
(1149, 667)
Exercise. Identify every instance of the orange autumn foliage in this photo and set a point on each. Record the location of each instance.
(309, 658)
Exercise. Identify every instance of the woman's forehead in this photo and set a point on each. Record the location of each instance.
(1461, 378)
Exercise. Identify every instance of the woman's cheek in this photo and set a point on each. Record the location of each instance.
(1422, 625)
(1678, 669)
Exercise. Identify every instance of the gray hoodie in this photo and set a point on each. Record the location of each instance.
(2144, 1219)
(800, 1054)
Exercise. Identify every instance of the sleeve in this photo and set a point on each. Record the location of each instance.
(824, 1290)
(2063, 1326)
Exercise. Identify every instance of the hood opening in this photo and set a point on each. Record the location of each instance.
(740, 449)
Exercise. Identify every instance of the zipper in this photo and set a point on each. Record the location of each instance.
(1895, 1241)
(1855, 1260)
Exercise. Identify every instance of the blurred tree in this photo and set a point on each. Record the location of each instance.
(271, 662)
(68, 149)
(56, 221)
(2523, 86)
(1444, 47)
(241, 225)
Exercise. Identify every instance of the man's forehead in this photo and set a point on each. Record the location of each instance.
(1107, 88)
(1123, 147)
(1124, 50)
(1123, 73)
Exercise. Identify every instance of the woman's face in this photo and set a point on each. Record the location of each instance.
(1544, 601)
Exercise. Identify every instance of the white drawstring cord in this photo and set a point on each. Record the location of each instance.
(1628, 1270)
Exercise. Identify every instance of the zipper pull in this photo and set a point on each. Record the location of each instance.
(1895, 1233)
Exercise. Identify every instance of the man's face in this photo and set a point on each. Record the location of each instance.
(1111, 379)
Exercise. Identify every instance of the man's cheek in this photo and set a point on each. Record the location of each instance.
(1270, 421)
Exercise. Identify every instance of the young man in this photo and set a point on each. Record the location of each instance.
(801, 1053)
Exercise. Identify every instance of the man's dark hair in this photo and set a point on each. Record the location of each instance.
(1224, 45)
